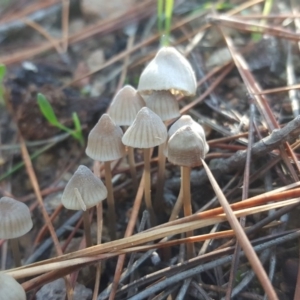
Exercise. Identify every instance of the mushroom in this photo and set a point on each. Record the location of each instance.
(186, 120)
(146, 131)
(15, 221)
(186, 148)
(83, 191)
(123, 110)
(125, 106)
(168, 71)
(165, 105)
(167, 75)
(105, 144)
(10, 289)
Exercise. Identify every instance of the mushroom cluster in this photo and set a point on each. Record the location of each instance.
(144, 115)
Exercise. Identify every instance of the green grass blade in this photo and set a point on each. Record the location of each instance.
(256, 37)
(78, 130)
(47, 110)
(2, 72)
(168, 20)
(160, 17)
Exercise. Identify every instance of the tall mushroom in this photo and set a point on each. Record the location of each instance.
(167, 75)
(184, 120)
(105, 144)
(83, 191)
(186, 148)
(15, 221)
(146, 131)
(123, 110)
(168, 71)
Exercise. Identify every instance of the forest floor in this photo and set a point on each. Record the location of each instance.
(245, 55)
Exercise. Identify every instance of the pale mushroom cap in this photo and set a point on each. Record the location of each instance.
(90, 187)
(169, 70)
(146, 131)
(15, 218)
(186, 147)
(163, 103)
(10, 289)
(186, 120)
(105, 140)
(125, 106)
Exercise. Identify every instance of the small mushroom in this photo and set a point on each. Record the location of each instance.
(125, 106)
(165, 105)
(186, 120)
(123, 110)
(83, 191)
(146, 131)
(168, 71)
(15, 221)
(186, 148)
(105, 144)
(10, 289)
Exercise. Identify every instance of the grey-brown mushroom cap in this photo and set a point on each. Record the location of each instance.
(169, 70)
(186, 148)
(186, 120)
(125, 106)
(15, 218)
(105, 140)
(10, 289)
(163, 103)
(146, 131)
(90, 187)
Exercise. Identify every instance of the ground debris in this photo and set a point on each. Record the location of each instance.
(56, 290)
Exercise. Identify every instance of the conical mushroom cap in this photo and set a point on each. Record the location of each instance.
(125, 106)
(187, 120)
(163, 103)
(15, 218)
(186, 147)
(169, 70)
(146, 131)
(105, 140)
(90, 188)
(10, 289)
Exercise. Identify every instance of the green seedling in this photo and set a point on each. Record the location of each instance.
(2, 74)
(256, 36)
(164, 13)
(49, 114)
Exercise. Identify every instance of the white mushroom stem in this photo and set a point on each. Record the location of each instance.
(86, 219)
(187, 206)
(148, 186)
(110, 201)
(16, 252)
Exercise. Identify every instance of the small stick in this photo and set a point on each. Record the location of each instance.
(16, 252)
(86, 219)
(187, 206)
(242, 238)
(110, 200)
(147, 191)
(132, 168)
(87, 228)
